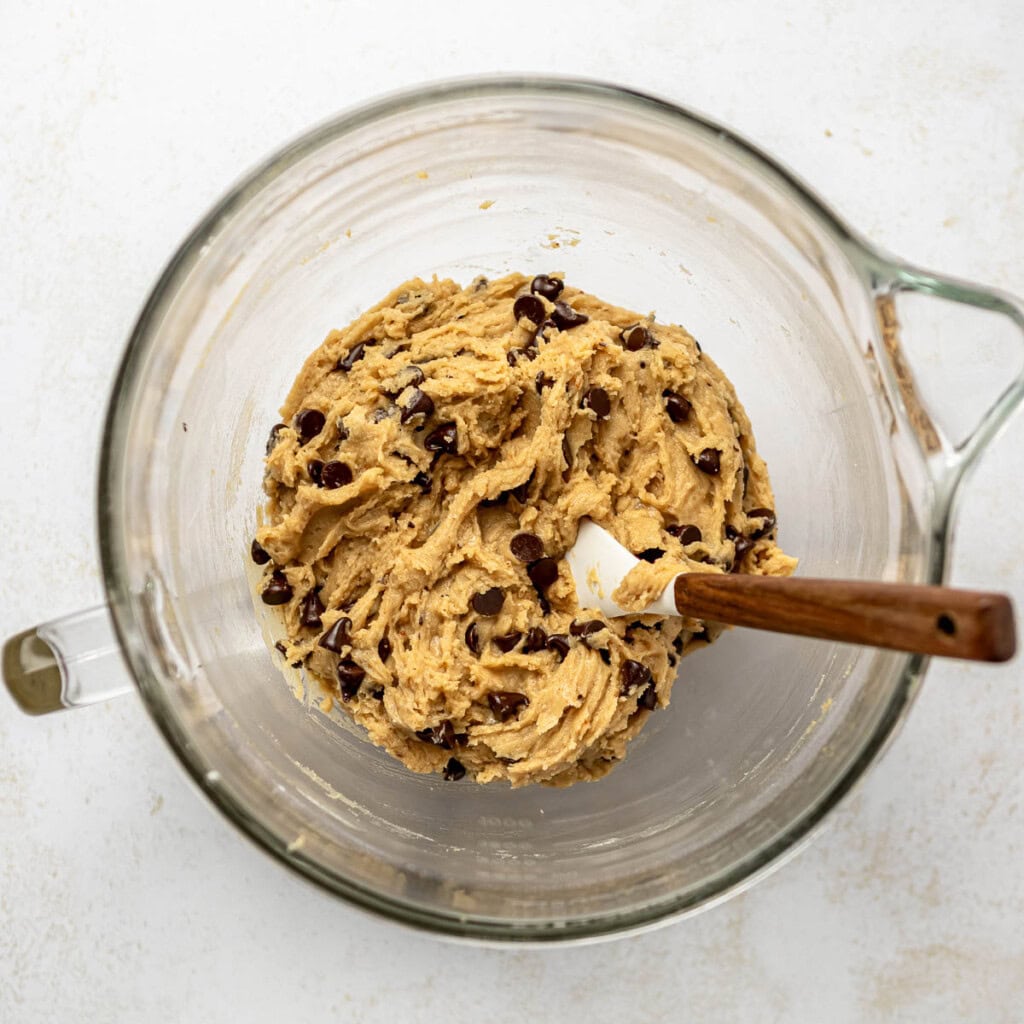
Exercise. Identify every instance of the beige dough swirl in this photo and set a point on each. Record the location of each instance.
(434, 461)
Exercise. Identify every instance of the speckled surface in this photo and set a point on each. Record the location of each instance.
(122, 896)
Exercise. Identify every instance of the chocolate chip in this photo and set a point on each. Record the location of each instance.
(637, 337)
(350, 678)
(480, 284)
(506, 703)
(315, 469)
(527, 547)
(746, 479)
(354, 355)
(280, 647)
(769, 521)
(489, 602)
(384, 648)
(529, 307)
(473, 638)
(336, 474)
(259, 554)
(709, 461)
(743, 545)
(649, 698)
(541, 334)
(309, 423)
(543, 381)
(634, 674)
(585, 629)
(651, 554)
(567, 455)
(444, 438)
(310, 610)
(512, 356)
(453, 770)
(422, 481)
(381, 414)
(442, 735)
(377, 693)
(606, 655)
(278, 590)
(418, 403)
(731, 533)
(565, 317)
(337, 636)
(272, 439)
(686, 532)
(342, 431)
(543, 573)
(410, 376)
(559, 643)
(549, 287)
(508, 641)
(598, 400)
(677, 407)
(536, 640)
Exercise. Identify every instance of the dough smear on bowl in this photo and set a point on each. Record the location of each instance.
(433, 465)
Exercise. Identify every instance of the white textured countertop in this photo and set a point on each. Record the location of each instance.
(123, 896)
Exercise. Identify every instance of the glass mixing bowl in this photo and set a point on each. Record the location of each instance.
(645, 205)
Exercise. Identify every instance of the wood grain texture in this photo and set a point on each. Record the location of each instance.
(967, 624)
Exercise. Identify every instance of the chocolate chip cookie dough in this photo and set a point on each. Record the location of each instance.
(431, 468)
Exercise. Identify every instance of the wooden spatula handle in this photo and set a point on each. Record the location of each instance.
(923, 620)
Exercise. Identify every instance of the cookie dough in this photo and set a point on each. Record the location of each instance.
(431, 468)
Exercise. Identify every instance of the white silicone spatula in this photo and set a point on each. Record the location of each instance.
(919, 619)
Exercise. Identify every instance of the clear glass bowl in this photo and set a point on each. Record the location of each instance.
(649, 207)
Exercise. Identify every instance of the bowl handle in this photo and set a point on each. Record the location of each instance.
(67, 663)
(962, 360)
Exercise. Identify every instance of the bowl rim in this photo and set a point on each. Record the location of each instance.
(130, 631)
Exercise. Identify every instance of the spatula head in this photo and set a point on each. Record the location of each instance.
(598, 563)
